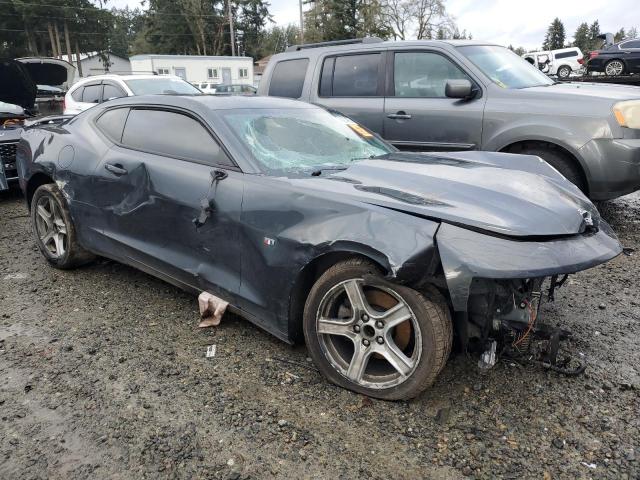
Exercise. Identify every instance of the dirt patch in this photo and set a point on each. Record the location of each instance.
(103, 374)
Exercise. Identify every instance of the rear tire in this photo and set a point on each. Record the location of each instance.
(391, 351)
(614, 68)
(560, 161)
(564, 71)
(54, 229)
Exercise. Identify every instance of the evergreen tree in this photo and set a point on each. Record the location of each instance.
(555, 36)
(594, 32)
(632, 34)
(582, 38)
(620, 35)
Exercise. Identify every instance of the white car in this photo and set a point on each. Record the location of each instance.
(562, 62)
(91, 91)
(207, 87)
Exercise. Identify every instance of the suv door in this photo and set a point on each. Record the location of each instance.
(171, 201)
(418, 114)
(353, 84)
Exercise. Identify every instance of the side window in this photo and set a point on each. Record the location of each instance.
(92, 94)
(77, 94)
(112, 122)
(287, 79)
(423, 74)
(567, 54)
(356, 75)
(112, 91)
(195, 141)
(631, 44)
(326, 76)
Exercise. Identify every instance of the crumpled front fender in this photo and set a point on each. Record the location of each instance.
(466, 254)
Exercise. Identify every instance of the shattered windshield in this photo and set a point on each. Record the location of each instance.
(301, 140)
(159, 86)
(505, 68)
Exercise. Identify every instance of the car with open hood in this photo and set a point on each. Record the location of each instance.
(314, 228)
(23, 80)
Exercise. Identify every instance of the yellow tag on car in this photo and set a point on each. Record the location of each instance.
(360, 131)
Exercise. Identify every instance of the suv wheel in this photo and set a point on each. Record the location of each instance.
(54, 229)
(559, 161)
(564, 71)
(376, 338)
(614, 67)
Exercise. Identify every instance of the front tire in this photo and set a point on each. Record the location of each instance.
(558, 160)
(54, 229)
(373, 337)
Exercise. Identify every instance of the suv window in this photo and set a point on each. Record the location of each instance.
(423, 74)
(112, 122)
(77, 94)
(92, 93)
(287, 79)
(112, 91)
(352, 76)
(175, 135)
(566, 54)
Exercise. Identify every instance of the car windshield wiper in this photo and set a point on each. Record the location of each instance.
(370, 157)
(318, 172)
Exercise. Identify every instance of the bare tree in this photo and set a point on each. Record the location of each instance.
(420, 17)
(398, 15)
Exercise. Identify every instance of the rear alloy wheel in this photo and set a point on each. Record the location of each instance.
(564, 71)
(54, 229)
(375, 338)
(614, 67)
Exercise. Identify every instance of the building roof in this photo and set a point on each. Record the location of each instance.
(194, 57)
(85, 56)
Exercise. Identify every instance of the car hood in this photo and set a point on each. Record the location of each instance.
(512, 195)
(17, 86)
(591, 90)
(49, 71)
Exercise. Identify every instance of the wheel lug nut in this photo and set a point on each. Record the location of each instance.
(379, 324)
(380, 340)
(365, 342)
(365, 317)
(356, 328)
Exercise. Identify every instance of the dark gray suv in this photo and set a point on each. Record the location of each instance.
(464, 95)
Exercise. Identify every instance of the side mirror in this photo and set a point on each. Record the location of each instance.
(459, 89)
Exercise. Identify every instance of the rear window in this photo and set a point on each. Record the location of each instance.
(567, 54)
(112, 91)
(92, 94)
(77, 94)
(161, 85)
(287, 79)
(112, 122)
(632, 44)
(353, 76)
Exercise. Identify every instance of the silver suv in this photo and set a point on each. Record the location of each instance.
(465, 95)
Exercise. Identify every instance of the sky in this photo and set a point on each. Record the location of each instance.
(521, 23)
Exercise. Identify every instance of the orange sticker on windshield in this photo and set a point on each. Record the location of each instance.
(360, 131)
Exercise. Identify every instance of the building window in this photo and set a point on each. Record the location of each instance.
(163, 71)
(244, 73)
(212, 73)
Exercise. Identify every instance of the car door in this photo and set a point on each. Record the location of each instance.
(633, 56)
(171, 201)
(418, 114)
(353, 84)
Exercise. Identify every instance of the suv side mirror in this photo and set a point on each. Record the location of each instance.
(459, 89)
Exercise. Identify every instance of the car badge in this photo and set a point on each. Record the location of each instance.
(269, 242)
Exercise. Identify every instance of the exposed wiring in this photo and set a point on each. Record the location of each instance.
(532, 320)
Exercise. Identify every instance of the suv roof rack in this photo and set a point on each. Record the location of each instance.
(295, 48)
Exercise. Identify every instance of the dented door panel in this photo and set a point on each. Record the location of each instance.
(172, 216)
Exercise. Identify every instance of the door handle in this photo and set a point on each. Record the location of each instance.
(401, 115)
(115, 168)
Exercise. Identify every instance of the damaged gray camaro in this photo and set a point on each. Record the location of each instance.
(312, 227)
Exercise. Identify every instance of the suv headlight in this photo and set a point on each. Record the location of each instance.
(628, 113)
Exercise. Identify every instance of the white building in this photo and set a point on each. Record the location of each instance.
(197, 68)
(94, 63)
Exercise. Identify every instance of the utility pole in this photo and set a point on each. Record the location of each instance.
(301, 24)
(233, 38)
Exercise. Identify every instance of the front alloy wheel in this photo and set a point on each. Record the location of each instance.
(374, 337)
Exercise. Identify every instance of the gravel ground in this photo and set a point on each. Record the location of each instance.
(103, 375)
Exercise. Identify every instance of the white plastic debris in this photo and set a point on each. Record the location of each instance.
(589, 465)
(211, 351)
(211, 309)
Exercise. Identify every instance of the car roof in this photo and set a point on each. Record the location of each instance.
(113, 76)
(213, 102)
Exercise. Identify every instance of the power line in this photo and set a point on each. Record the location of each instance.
(94, 9)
